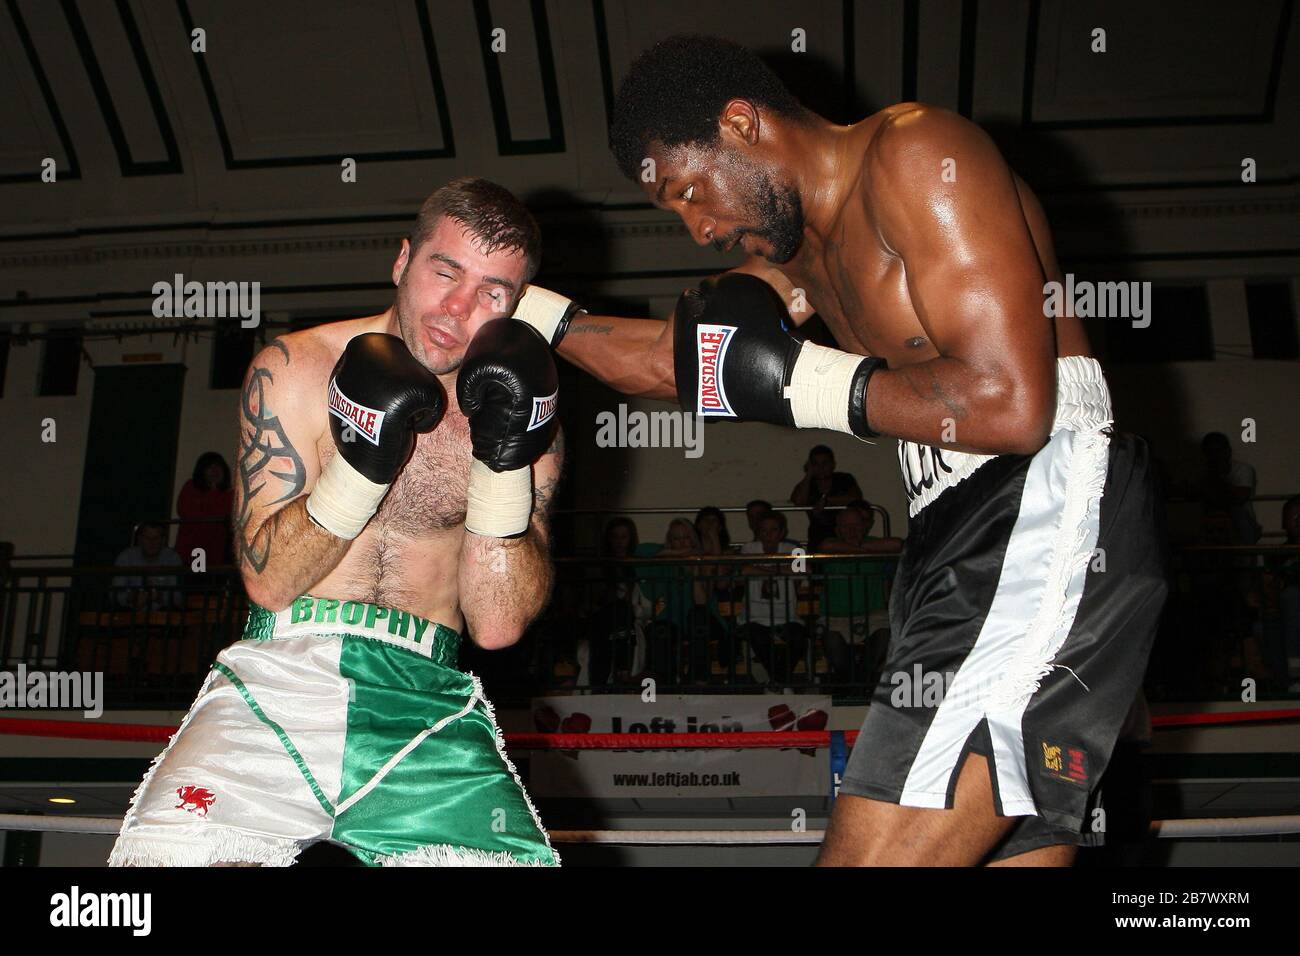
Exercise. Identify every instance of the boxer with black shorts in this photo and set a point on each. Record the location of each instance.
(1032, 578)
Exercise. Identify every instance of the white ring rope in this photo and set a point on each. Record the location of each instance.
(1205, 828)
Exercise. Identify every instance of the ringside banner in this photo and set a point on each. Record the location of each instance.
(679, 773)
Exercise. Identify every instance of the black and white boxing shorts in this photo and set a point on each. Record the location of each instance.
(1022, 616)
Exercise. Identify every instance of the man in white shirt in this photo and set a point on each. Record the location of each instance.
(770, 614)
(152, 592)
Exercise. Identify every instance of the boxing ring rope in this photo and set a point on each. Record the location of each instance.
(799, 740)
(1206, 828)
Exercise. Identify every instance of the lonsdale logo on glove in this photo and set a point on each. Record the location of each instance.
(543, 410)
(366, 421)
(711, 343)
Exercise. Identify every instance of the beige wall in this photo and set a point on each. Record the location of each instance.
(40, 482)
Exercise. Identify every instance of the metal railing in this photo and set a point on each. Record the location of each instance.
(599, 516)
(714, 624)
(168, 522)
(729, 623)
(153, 641)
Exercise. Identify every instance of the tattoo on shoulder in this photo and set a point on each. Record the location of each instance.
(284, 349)
(262, 440)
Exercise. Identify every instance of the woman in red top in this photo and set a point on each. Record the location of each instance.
(205, 497)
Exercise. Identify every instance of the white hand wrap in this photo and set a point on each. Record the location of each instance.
(543, 309)
(820, 387)
(498, 503)
(344, 499)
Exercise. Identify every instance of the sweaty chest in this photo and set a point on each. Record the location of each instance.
(860, 291)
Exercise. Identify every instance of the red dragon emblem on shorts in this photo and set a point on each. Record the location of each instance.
(195, 799)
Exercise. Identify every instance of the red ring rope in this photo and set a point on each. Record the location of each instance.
(153, 733)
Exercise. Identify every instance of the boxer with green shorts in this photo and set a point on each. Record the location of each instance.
(375, 523)
(356, 719)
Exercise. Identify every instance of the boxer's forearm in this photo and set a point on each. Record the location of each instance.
(504, 583)
(286, 555)
(632, 356)
(946, 402)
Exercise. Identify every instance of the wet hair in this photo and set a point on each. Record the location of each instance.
(201, 468)
(674, 93)
(491, 214)
(724, 536)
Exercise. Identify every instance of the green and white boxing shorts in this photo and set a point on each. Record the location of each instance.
(340, 721)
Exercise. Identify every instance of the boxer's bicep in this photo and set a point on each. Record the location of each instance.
(948, 208)
(276, 460)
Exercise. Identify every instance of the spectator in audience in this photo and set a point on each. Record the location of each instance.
(147, 592)
(820, 486)
(770, 614)
(204, 509)
(857, 607)
(754, 512)
(1229, 484)
(711, 526)
(682, 607)
(619, 608)
(853, 534)
(1291, 520)
(720, 579)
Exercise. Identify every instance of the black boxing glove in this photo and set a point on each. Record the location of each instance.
(508, 390)
(734, 360)
(379, 397)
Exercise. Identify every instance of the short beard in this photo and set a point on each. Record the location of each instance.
(777, 211)
(413, 339)
(780, 214)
